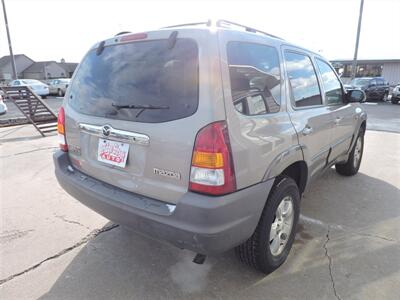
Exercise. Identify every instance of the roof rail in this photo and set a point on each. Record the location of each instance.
(122, 32)
(222, 23)
(208, 23)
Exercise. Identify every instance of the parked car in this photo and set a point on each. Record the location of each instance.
(37, 86)
(396, 94)
(376, 88)
(58, 86)
(206, 137)
(3, 106)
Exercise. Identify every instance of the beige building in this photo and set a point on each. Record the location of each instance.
(387, 68)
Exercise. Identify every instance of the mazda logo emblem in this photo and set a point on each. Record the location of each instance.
(106, 130)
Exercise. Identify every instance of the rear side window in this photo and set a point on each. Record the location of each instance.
(331, 84)
(302, 79)
(161, 83)
(255, 78)
(380, 81)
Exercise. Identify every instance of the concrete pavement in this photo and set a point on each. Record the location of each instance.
(52, 247)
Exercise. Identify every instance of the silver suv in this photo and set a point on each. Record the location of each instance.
(206, 135)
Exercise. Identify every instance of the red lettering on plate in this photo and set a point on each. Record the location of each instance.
(112, 152)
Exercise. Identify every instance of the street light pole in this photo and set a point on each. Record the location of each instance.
(14, 69)
(354, 68)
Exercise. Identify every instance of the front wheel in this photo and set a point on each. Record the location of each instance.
(352, 165)
(272, 240)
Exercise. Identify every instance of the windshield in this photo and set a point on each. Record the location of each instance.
(31, 82)
(359, 82)
(138, 74)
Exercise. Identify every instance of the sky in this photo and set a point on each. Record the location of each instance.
(55, 29)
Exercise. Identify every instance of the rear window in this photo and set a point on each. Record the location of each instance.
(255, 78)
(140, 74)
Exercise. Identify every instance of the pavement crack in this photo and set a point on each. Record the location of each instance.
(84, 240)
(7, 236)
(330, 265)
(63, 218)
(376, 236)
(30, 151)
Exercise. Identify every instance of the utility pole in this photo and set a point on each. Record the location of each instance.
(14, 69)
(354, 68)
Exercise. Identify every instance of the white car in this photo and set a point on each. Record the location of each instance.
(58, 86)
(37, 86)
(3, 106)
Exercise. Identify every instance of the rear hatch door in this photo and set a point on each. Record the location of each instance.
(131, 116)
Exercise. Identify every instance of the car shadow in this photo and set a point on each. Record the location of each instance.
(120, 264)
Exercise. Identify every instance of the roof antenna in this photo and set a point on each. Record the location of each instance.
(100, 48)
(172, 39)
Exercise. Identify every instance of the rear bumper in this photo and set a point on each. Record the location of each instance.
(200, 223)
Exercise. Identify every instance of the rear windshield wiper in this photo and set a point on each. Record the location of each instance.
(142, 107)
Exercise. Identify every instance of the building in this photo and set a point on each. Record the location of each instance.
(387, 68)
(43, 70)
(29, 69)
(68, 67)
(21, 63)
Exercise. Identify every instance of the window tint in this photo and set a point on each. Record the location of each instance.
(372, 82)
(302, 79)
(16, 83)
(380, 81)
(141, 74)
(255, 78)
(331, 84)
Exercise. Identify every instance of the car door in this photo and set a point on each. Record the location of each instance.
(53, 86)
(372, 90)
(343, 113)
(380, 83)
(311, 118)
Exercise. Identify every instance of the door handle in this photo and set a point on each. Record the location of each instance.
(307, 130)
(337, 120)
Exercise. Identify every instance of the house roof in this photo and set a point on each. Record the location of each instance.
(69, 67)
(38, 67)
(5, 60)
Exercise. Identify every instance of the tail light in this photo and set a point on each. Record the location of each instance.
(61, 130)
(212, 171)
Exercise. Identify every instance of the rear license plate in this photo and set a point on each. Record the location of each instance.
(113, 153)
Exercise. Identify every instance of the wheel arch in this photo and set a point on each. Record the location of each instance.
(298, 171)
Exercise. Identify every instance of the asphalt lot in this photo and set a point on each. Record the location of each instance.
(52, 247)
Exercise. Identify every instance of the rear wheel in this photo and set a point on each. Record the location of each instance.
(272, 240)
(352, 165)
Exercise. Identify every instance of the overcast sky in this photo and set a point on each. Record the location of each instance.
(55, 29)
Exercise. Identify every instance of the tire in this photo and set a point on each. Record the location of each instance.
(258, 250)
(395, 100)
(44, 97)
(352, 165)
(60, 93)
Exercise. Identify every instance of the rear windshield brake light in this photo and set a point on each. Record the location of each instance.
(133, 37)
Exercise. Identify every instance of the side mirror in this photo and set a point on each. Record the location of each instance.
(355, 96)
